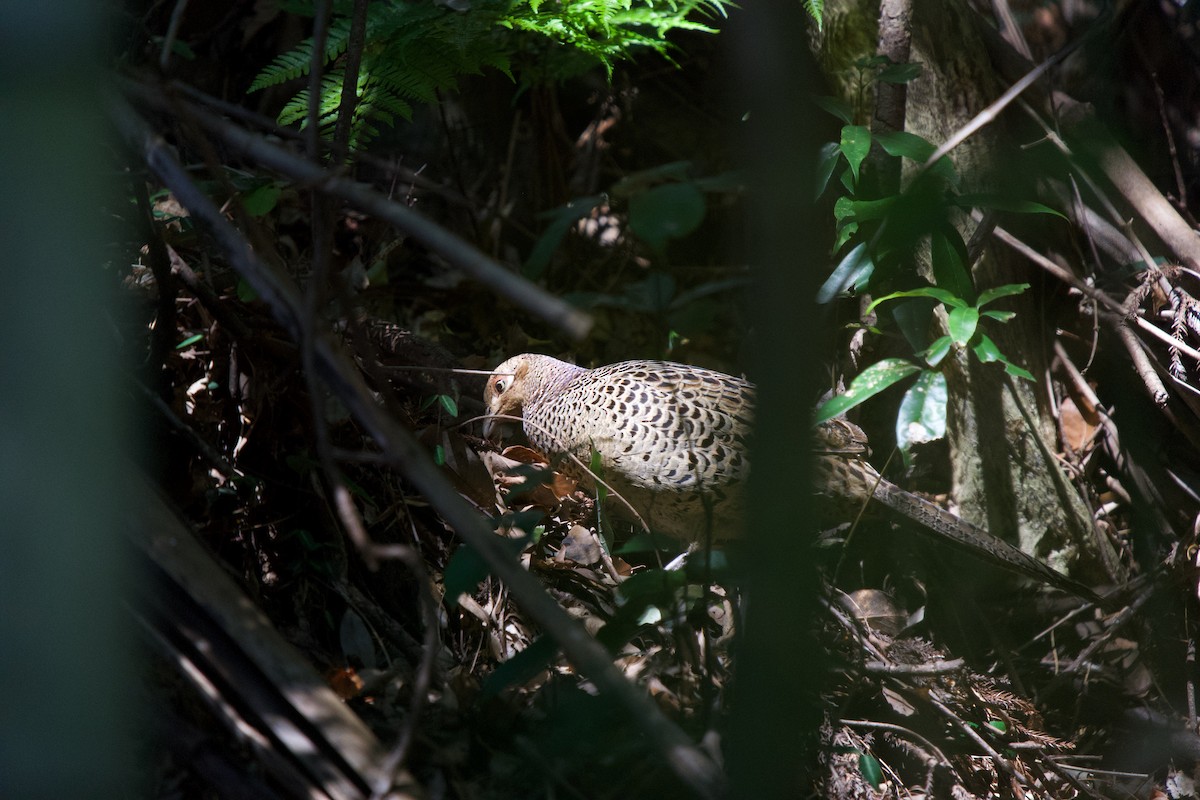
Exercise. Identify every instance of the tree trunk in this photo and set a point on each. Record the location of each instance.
(1005, 475)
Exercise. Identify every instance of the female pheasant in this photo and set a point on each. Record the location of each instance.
(673, 441)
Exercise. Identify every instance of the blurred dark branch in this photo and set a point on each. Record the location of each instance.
(693, 768)
(508, 284)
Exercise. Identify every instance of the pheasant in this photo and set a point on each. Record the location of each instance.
(672, 439)
(673, 442)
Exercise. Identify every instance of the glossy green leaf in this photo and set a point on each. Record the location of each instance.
(962, 323)
(845, 274)
(922, 414)
(949, 253)
(870, 382)
(995, 293)
(925, 291)
(869, 768)
(937, 351)
(855, 144)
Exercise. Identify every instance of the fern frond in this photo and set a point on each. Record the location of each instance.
(416, 49)
(297, 62)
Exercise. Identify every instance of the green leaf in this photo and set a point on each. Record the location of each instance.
(962, 323)
(674, 172)
(465, 570)
(869, 768)
(845, 273)
(855, 144)
(917, 149)
(816, 10)
(189, 341)
(522, 667)
(846, 209)
(1000, 203)
(245, 292)
(1007, 290)
(949, 254)
(828, 160)
(870, 382)
(925, 291)
(922, 414)
(987, 351)
(835, 106)
(666, 212)
(937, 351)
(449, 404)
(845, 234)
(562, 219)
(912, 316)
(261, 201)
(900, 73)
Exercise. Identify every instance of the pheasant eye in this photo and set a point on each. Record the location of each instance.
(501, 385)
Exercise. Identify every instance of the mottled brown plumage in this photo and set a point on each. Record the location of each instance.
(673, 441)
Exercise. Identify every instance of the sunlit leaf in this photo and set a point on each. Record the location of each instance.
(937, 351)
(870, 382)
(962, 323)
(995, 293)
(925, 291)
(922, 414)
